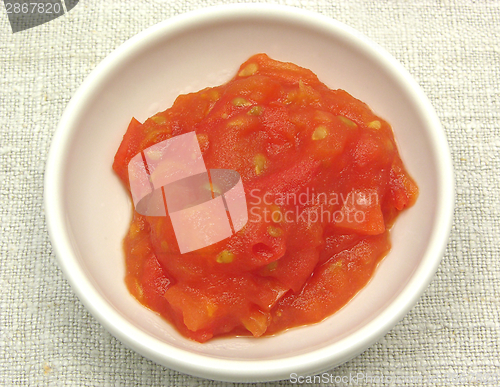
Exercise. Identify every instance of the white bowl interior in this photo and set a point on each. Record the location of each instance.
(186, 55)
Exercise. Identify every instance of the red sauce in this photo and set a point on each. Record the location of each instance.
(324, 183)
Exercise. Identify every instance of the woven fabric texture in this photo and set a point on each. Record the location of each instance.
(452, 49)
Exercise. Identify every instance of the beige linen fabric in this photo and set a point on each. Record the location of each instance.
(452, 48)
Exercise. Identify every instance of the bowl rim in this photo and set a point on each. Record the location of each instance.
(244, 370)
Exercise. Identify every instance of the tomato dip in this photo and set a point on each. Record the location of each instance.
(323, 182)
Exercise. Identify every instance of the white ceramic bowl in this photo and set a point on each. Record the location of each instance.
(88, 210)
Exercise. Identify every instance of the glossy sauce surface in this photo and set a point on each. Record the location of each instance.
(323, 182)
